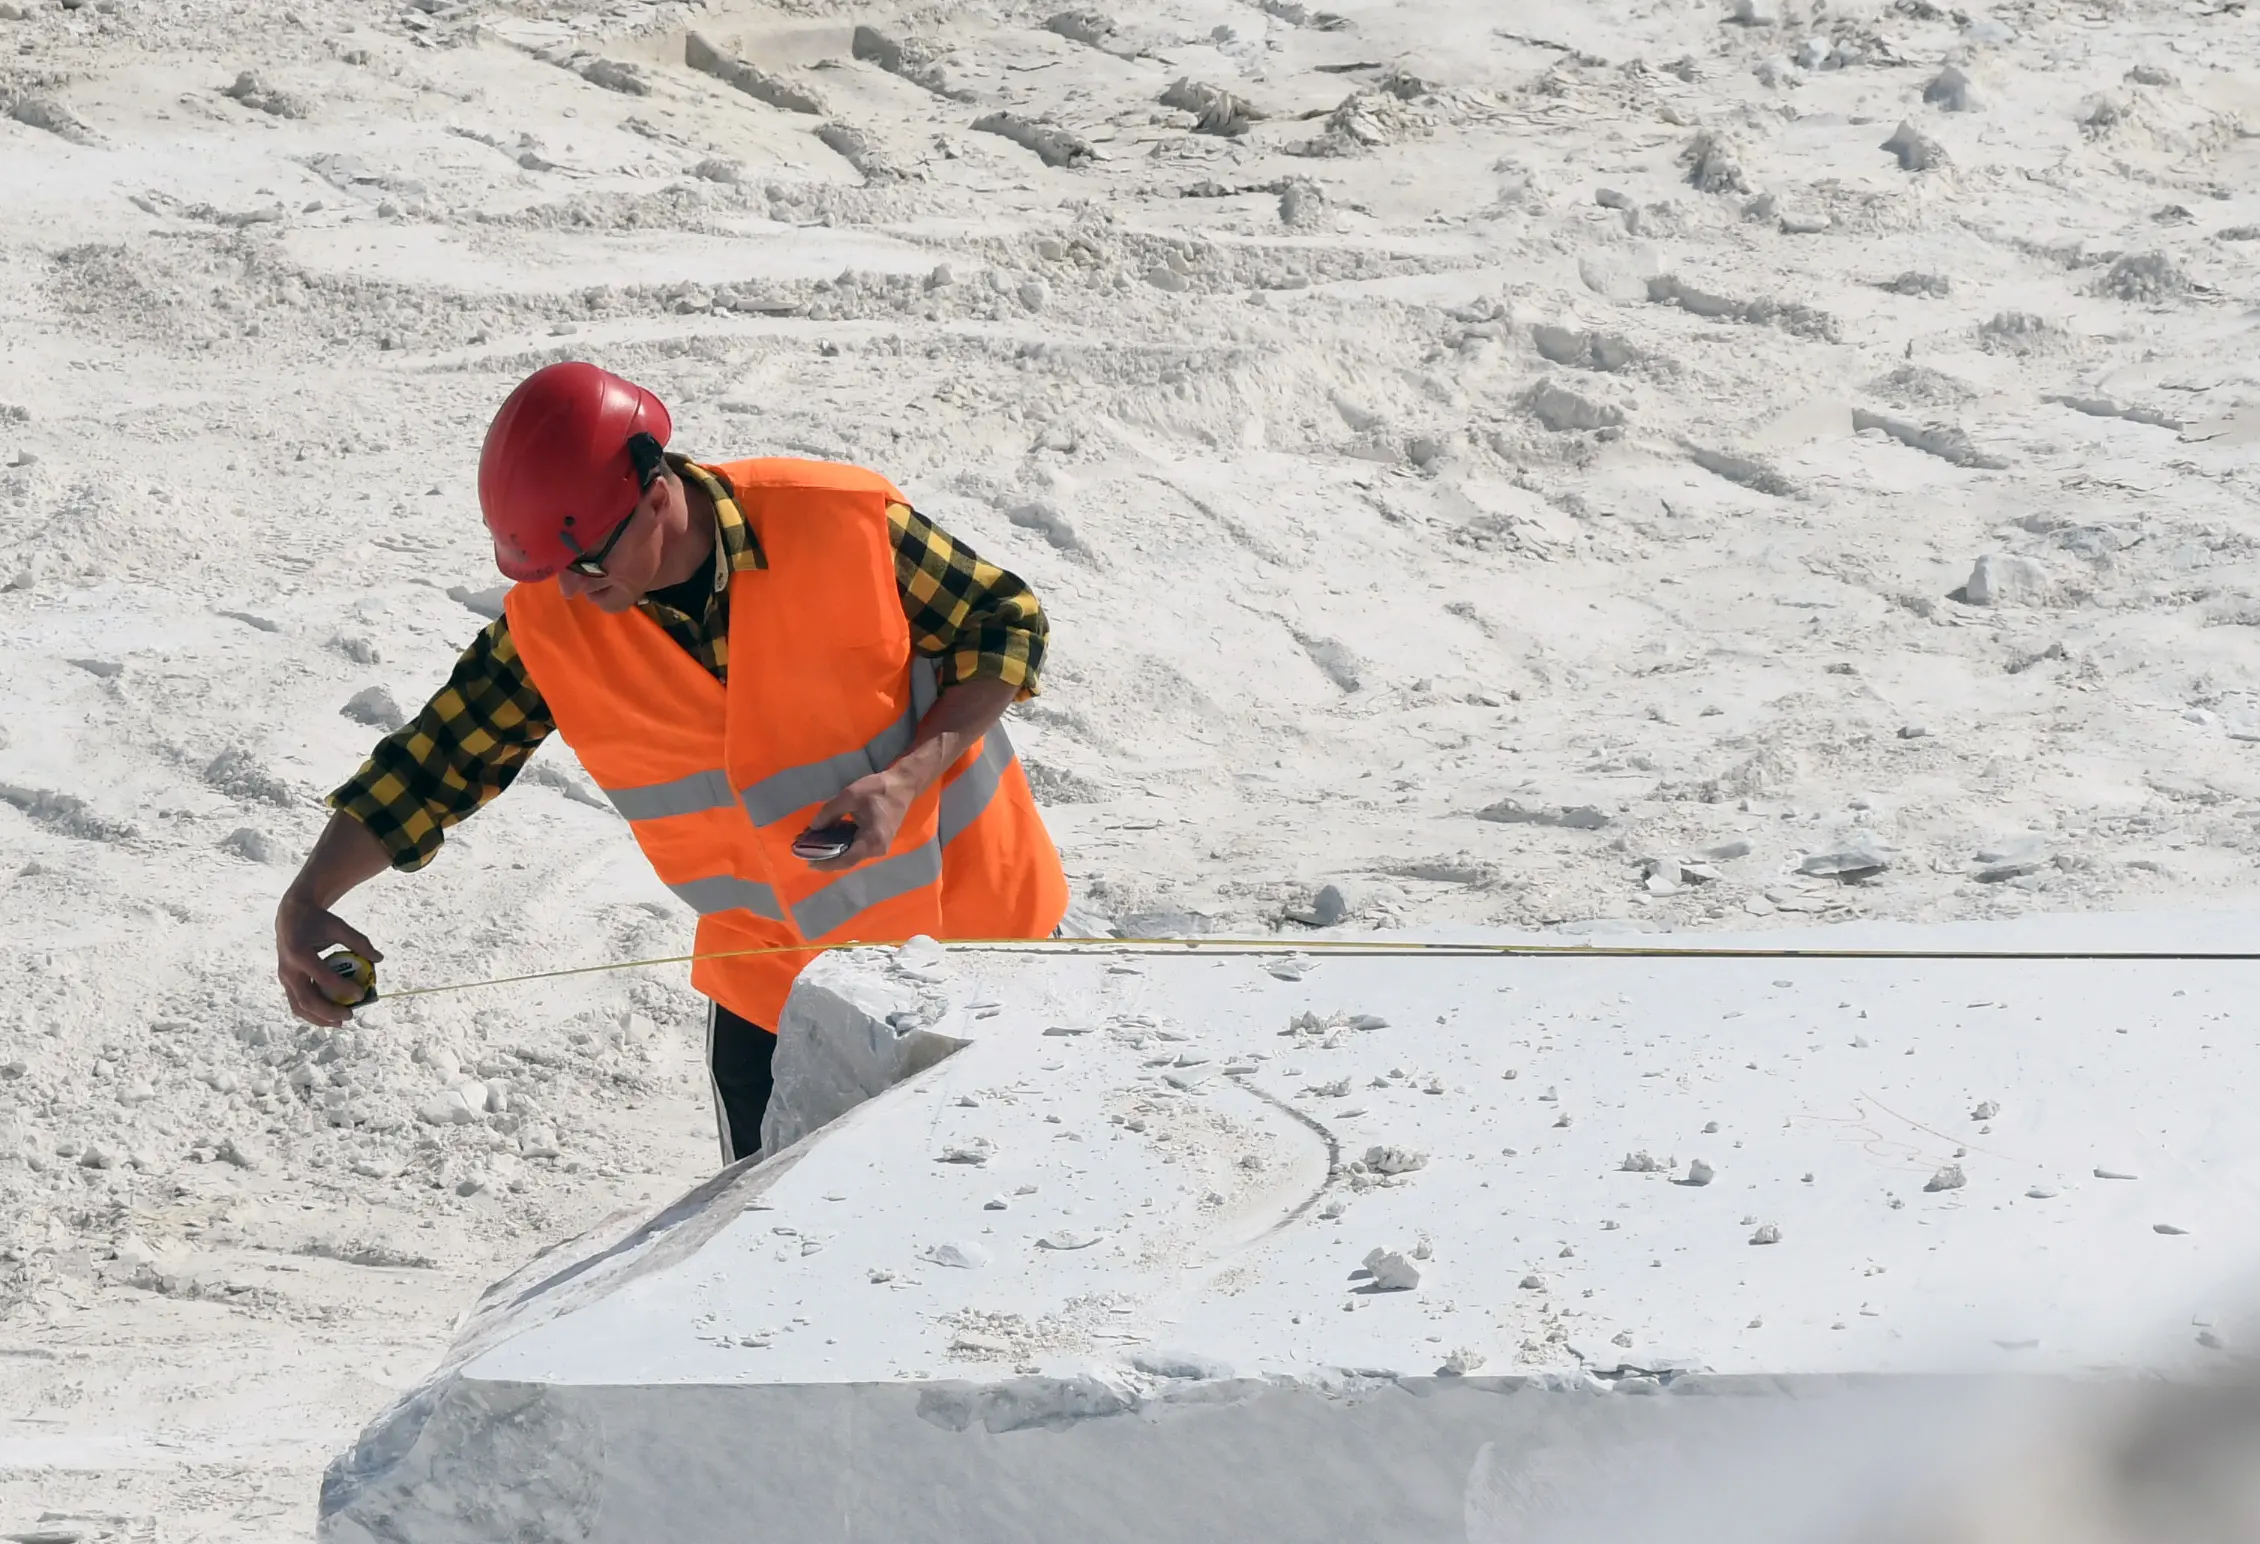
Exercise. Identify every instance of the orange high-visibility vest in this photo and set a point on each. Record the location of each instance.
(824, 688)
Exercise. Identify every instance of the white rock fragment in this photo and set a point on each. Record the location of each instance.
(243, 1152)
(1951, 91)
(1158, 1363)
(1985, 1111)
(1069, 1238)
(977, 1151)
(965, 1256)
(2166, 1228)
(1699, 1173)
(2005, 579)
(921, 954)
(1858, 861)
(1642, 1163)
(1917, 151)
(1712, 163)
(1948, 1178)
(1394, 1160)
(2112, 1174)
(251, 843)
(2040, 1193)
(457, 1106)
(1392, 1270)
(1767, 1234)
(1327, 907)
(1561, 409)
(374, 706)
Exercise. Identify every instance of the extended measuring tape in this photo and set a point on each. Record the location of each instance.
(357, 977)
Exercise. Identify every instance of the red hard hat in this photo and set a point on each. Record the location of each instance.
(555, 475)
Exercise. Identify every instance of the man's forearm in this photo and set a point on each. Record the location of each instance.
(959, 717)
(345, 855)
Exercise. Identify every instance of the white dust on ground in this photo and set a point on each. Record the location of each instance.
(1595, 424)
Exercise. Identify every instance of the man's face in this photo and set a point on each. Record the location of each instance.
(633, 562)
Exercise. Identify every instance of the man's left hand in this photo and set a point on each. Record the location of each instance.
(877, 804)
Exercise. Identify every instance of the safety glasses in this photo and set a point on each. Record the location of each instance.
(645, 453)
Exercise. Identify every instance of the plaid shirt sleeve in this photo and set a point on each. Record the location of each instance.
(972, 616)
(466, 746)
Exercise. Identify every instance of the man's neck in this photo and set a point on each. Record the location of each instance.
(691, 550)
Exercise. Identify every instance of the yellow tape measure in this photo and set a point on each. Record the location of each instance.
(356, 982)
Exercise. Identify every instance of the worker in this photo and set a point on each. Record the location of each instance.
(749, 658)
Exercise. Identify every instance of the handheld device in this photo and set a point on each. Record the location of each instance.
(821, 842)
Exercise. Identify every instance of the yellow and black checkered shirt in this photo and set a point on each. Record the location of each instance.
(973, 618)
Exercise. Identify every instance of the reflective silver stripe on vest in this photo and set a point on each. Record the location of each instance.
(683, 796)
(727, 892)
(859, 889)
(795, 788)
(964, 800)
(781, 793)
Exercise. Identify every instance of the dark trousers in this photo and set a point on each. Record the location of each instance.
(738, 1055)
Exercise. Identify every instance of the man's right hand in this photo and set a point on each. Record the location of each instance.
(302, 932)
(344, 855)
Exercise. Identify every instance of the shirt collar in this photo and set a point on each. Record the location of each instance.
(737, 548)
